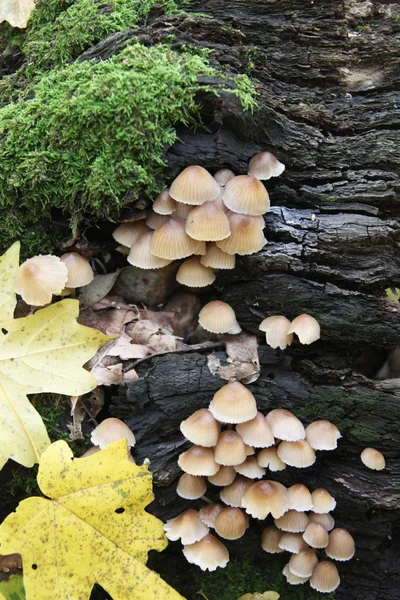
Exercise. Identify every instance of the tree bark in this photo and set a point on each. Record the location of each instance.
(327, 80)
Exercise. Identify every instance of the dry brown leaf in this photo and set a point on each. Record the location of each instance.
(97, 289)
(242, 354)
(131, 375)
(112, 375)
(16, 12)
(9, 562)
(111, 320)
(125, 350)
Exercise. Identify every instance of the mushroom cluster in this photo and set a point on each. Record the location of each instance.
(209, 219)
(279, 330)
(234, 445)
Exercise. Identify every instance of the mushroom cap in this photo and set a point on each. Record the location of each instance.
(265, 497)
(224, 477)
(154, 220)
(323, 502)
(233, 493)
(201, 428)
(292, 542)
(324, 519)
(164, 204)
(265, 165)
(79, 270)
(208, 223)
(285, 426)
(209, 513)
(231, 523)
(270, 539)
(291, 578)
(208, 554)
(217, 258)
(341, 545)
(269, 458)
(307, 329)
(373, 459)
(300, 497)
(316, 536)
(303, 563)
(297, 454)
(182, 211)
(39, 277)
(246, 235)
(186, 527)
(293, 521)
(194, 186)
(198, 461)
(246, 195)
(128, 233)
(201, 249)
(193, 274)
(223, 176)
(191, 487)
(218, 317)
(229, 450)
(256, 432)
(111, 430)
(170, 241)
(250, 468)
(140, 254)
(322, 435)
(325, 577)
(233, 403)
(276, 331)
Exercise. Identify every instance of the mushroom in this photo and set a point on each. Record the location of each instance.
(323, 502)
(223, 176)
(224, 477)
(208, 223)
(193, 274)
(296, 454)
(341, 545)
(140, 254)
(39, 277)
(219, 317)
(265, 497)
(291, 578)
(191, 487)
(316, 536)
(250, 468)
(128, 233)
(256, 432)
(322, 435)
(80, 272)
(325, 577)
(293, 521)
(292, 542)
(307, 329)
(285, 426)
(208, 554)
(233, 494)
(194, 186)
(164, 204)
(299, 497)
(198, 461)
(187, 527)
(246, 235)
(233, 403)
(155, 220)
(111, 430)
(270, 539)
(229, 450)
(217, 258)
(209, 513)
(201, 428)
(276, 334)
(324, 519)
(246, 195)
(170, 240)
(231, 523)
(269, 458)
(265, 165)
(303, 563)
(373, 459)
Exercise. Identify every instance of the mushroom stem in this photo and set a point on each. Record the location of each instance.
(206, 499)
(229, 426)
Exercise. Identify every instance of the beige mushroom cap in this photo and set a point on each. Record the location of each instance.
(291, 578)
(322, 435)
(191, 487)
(265, 165)
(270, 539)
(193, 274)
(194, 186)
(233, 494)
(292, 542)
(208, 223)
(276, 334)
(217, 258)
(285, 426)
(256, 432)
(208, 554)
(297, 454)
(325, 577)
(265, 497)
(231, 523)
(164, 204)
(128, 233)
(323, 502)
(233, 403)
(246, 195)
(201, 428)
(269, 458)
(80, 272)
(303, 563)
(39, 277)
(223, 176)
(224, 477)
(324, 519)
(154, 220)
(229, 450)
(140, 254)
(246, 237)
(300, 497)
(198, 461)
(250, 468)
(219, 317)
(209, 513)
(186, 527)
(341, 545)
(316, 536)
(307, 329)
(170, 241)
(373, 459)
(293, 521)
(111, 430)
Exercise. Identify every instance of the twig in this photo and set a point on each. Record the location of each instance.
(194, 348)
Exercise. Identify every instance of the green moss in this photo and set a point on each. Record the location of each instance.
(242, 576)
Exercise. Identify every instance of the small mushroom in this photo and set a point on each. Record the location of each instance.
(201, 428)
(246, 235)
(219, 317)
(292, 542)
(231, 523)
(322, 435)
(325, 577)
(194, 186)
(250, 468)
(229, 450)
(164, 204)
(128, 233)
(246, 195)
(303, 563)
(223, 176)
(323, 502)
(291, 578)
(186, 527)
(111, 430)
(233, 403)
(208, 554)
(293, 521)
(373, 459)
(306, 328)
(80, 272)
(208, 223)
(296, 454)
(232, 494)
(276, 331)
(299, 497)
(265, 497)
(217, 258)
(140, 254)
(191, 487)
(170, 240)
(316, 536)
(285, 426)
(224, 477)
(341, 545)
(265, 165)
(270, 539)
(209, 513)
(39, 277)
(193, 274)
(198, 461)
(256, 432)
(269, 458)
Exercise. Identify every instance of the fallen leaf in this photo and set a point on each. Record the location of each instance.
(242, 354)
(260, 596)
(10, 561)
(92, 529)
(112, 375)
(393, 295)
(12, 588)
(16, 12)
(124, 349)
(97, 289)
(9, 264)
(43, 352)
(155, 337)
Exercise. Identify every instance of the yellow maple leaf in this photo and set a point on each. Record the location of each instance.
(16, 12)
(94, 528)
(43, 352)
(260, 596)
